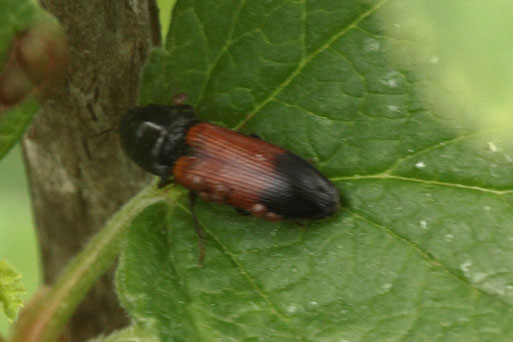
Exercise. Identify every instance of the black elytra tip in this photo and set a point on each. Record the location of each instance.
(300, 191)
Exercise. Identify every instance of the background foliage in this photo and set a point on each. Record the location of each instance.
(16, 226)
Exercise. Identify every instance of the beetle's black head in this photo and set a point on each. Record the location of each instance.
(153, 136)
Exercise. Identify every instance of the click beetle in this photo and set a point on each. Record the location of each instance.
(224, 166)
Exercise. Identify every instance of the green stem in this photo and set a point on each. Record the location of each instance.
(45, 321)
(131, 333)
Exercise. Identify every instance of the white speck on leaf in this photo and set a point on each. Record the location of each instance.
(492, 146)
(387, 286)
(420, 165)
(465, 267)
(291, 308)
(478, 276)
(391, 79)
(423, 224)
(393, 108)
(371, 45)
(449, 237)
(434, 59)
(498, 285)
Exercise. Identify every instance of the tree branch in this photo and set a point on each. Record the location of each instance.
(78, 182)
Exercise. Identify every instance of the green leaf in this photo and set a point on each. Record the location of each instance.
(15, 16)
(130, 334)
(14, 122)
(33, 54)
(422, 249)
(10, 290)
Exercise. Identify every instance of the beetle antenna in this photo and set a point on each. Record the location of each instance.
(108, 130)
(201, 235)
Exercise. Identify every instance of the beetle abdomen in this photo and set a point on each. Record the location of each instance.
(227, 167)
(299, 191)
(253, 175)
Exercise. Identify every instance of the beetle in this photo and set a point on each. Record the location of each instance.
(224, 166)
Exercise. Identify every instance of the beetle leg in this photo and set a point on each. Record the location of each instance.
(243, 212)
(164, 182)
(201, 236)
(256, 136)
(165, 174)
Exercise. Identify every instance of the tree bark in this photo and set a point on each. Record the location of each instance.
(78, 181)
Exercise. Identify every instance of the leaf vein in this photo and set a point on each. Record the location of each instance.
(305, 61)
(436, 146)
(222, 50)
(385, 176)
(425, 255)
(252, 281)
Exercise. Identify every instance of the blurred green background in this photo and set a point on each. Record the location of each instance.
(18, 242)
(469, 42)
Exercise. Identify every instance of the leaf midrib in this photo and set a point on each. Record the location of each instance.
(306, 60)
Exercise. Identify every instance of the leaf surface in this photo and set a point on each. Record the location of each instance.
(27, 34)
(11, 289)
(422, 249)
(129, 334)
